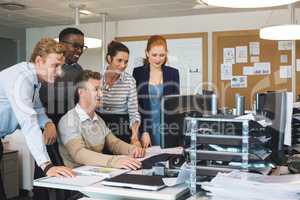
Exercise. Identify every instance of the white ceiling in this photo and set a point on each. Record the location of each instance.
(57, 12)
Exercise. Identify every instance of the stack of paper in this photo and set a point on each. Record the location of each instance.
(156, 150)
(241, 185)
(78, 180)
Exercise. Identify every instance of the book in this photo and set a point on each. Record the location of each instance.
(105, 172)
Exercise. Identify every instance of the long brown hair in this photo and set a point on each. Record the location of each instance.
(156, 40)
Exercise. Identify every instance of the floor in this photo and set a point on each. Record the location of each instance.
(23, 196)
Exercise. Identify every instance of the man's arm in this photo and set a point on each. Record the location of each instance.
(49, 133)
(71, 138)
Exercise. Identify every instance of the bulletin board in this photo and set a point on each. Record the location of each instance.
(188, 52)
(268, 53)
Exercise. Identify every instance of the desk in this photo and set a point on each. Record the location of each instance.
(104, 192)
(118, 193)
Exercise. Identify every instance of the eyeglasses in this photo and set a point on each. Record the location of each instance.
(76, 45)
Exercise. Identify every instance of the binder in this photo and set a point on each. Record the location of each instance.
(142, 182)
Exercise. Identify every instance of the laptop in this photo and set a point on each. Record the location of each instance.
(135, 181)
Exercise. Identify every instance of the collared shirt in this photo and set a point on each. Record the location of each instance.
(121, 97)
(83, 116)
(82, 139)
(20, 106)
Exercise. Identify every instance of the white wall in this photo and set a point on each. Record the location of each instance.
(185, 24)
(17, 34)
(90, 59)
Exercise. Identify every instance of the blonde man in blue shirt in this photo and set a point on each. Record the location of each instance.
(20, 105)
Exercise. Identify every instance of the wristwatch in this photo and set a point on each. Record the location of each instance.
(46, 166)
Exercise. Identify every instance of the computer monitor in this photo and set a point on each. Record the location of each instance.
(174, 108)
(274, 108)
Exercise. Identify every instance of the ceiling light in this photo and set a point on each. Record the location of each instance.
(85, 12)
(92, 42)
(281, 32)
(12, 6)
(89, 42)
(248, 4)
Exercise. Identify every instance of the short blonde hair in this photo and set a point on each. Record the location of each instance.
(45, 47)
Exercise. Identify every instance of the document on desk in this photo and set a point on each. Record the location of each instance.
(78, 180)
(156, 150)
(105, 172)
(183, 175)
(263, 122)
(253, 186)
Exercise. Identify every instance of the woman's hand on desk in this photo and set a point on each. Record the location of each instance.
(146, 140)
(135, 141)
(60, 171)
(138, 152)
(129, 163)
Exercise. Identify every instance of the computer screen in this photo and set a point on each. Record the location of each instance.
(174, 108)
(274, 108)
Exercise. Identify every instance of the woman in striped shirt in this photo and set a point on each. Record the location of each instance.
(119, 94)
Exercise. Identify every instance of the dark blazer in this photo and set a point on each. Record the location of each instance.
(171, 85)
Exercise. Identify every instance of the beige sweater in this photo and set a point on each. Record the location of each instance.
(81, 141)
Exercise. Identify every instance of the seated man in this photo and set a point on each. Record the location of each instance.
(83, 134)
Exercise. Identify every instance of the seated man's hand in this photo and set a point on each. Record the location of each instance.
(49, 133)
(129, 163)
(146, 140)
(60, 171)
(138, 152)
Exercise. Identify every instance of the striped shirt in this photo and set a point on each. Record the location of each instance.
(121, 97)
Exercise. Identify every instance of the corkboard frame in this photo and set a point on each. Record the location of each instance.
(202, 35)
(256, 83)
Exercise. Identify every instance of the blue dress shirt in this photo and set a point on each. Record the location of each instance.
(20, 106)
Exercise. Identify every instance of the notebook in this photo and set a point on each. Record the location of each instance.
(135, 181)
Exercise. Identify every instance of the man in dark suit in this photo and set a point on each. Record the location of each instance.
(58, 98)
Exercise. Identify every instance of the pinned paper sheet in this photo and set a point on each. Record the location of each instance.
(254, 59)
(248, 70)
(226, 71)
(283, 58)
(241, 54)
(285, 45)
(254, 48)
(262, 68)
(297, 65)
(285, 71)
(228, 55)
(239, 82)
